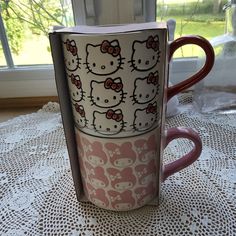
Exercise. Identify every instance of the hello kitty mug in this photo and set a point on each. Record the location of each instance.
(118, 78)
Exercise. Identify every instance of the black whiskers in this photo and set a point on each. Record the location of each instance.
(132, 65)
(87, 67)
(134, 98)
(92, 100)
(78, 62)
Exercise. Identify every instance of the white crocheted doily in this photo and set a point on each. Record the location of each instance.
(38, 198)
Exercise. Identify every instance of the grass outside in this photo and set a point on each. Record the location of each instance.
(207, 29)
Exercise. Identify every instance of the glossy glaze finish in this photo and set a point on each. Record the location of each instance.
(201, 74)
(187, 159)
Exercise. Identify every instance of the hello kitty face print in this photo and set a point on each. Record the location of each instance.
(119, 76)
(145, 118)
(108, 93)
(79, 114)
(145, 54)
(109, 123)
(71, 57)
(146, 89)
(104, 58)
(76, 92)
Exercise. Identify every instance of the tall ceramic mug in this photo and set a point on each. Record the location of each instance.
(117, 78)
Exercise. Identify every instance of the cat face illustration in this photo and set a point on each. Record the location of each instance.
(94, 152)
(76, 91)
(121, 156)
(109, 123)
(71, 57)
(145, 194)
(145, 54)
(79, 114)
(121, 179)
(145, 89)
(121, 200)
(145, 118)
(146, 149)
(146, 172)
(108, 93)
(96, 176)
(98, 196)
(104, 58)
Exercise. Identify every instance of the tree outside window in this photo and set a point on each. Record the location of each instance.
(27, 23)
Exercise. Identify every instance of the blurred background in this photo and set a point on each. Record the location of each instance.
(27, 23)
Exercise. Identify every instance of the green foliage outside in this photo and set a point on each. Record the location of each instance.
(36, 16)
(207, 29)
(199, 17)
(191, 7)
(27, 20)
(14, 29)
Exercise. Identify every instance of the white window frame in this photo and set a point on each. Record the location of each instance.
(33, 81)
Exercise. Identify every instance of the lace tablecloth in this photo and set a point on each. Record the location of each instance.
(38, 197)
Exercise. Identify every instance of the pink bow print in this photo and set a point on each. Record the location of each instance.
(118, 197)
(152, 78)
(92, 191)
(88, 148)
(141, 173)
(115, 177)
(140, 195)
(115, 152)
(143, 148)
(80, 109)
(151, 109)
(75, 81)
(91, 172)
(106, 47)
(111, 114)
(153, 42)
(111, 84)
(71, 47)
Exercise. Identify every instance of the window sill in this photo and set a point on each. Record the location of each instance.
(28, 82)
(40, 81)
(26, 102)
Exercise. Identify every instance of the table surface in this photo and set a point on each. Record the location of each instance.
(37, 192)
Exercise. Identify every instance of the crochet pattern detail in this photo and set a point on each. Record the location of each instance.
(38, 198)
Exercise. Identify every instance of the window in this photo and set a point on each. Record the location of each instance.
(25, 58)
(26, 26)
(201, 17)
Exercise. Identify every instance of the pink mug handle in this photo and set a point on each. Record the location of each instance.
(202, 73)
(188, 158)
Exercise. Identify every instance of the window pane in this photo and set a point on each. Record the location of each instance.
(201, 17)
(27, 24)
(2, 58)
